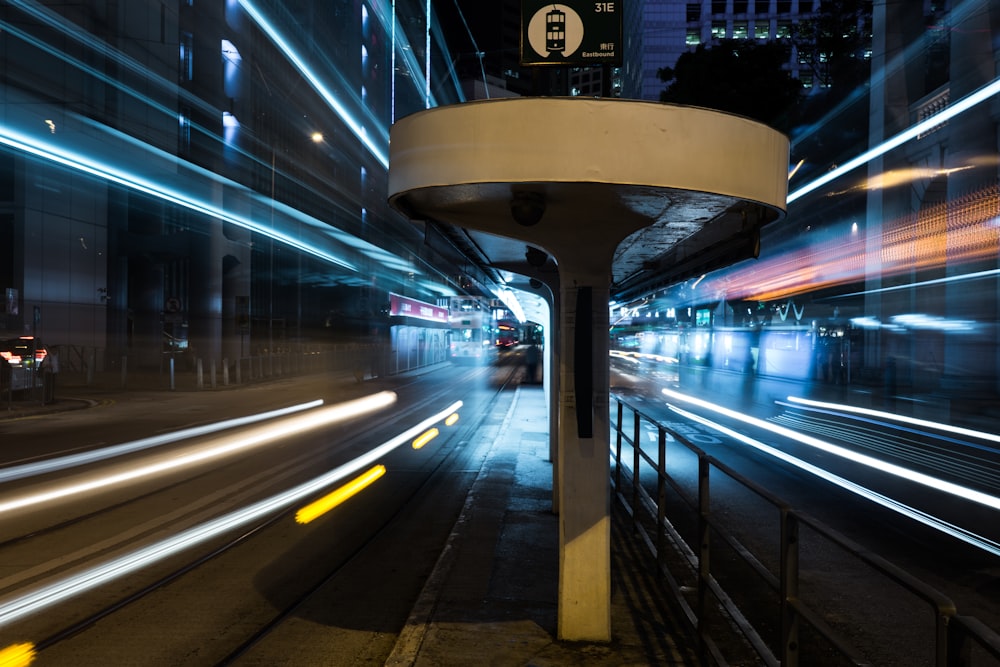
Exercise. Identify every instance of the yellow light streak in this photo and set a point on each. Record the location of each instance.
(17, 655)
(320, 507)
(88, 579)
(450, 421)
(425, 438)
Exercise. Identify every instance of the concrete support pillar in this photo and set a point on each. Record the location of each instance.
(584, 509)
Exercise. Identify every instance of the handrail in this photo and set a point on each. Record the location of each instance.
(954, 634)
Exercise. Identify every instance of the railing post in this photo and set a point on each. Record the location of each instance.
(661, 494)
(951, 649)
(704, 551)
(636, 461)
(618, 447)
(789, 589)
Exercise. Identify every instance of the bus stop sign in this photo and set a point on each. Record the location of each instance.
(576, 32)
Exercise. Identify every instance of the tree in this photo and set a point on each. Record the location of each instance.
(836, 42)
(744, 77)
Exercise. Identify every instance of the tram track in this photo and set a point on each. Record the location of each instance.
(930, 452)
(428, 481)
(256, 537)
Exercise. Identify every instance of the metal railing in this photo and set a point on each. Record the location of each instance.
(716, 559)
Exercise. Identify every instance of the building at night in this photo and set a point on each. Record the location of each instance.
(206, 178)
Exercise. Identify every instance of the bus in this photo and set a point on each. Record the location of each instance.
(508, 334)
(471, 330)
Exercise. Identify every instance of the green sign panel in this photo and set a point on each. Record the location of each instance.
(573, 32)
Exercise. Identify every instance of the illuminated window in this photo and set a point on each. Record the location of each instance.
(230, 127)
(740, 30)
(784, 30)
(187, 56)
(693, 37)
(761, 30)
(184, 130)
(718, 29)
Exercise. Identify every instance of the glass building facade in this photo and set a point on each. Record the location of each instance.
(206, 178)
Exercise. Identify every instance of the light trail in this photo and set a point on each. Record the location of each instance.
(215, 449)
(17, 655)
(913, 421)
(131, 177)
(917, 515)
(66, 158)
(45, 596)
(104, 453)
(380, 153)
(425, 438)
(318, 508)
(950, 488)
(949, 112)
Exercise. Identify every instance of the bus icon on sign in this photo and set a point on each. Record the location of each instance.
(555, 31)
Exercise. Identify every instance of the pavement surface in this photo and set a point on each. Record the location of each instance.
(492, 597)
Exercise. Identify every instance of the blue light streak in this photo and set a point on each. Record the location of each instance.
(66, 158)
(131, 176)
(966, 103)
(380, 153)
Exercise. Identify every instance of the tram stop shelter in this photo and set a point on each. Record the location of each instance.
(615, 198)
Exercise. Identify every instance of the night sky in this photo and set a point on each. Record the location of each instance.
(483, 17)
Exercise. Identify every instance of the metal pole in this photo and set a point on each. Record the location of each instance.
(270, 278)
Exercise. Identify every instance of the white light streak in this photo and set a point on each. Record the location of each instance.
(213, 450)
(913, 421)
(917, 515)
(890, 468)
(949, 112)
(73, 460)
(46, 596)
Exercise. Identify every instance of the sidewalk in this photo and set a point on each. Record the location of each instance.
(491, 599)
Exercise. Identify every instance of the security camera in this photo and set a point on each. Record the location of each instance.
(527, 208)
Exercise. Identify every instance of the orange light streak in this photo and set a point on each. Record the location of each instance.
(961, 231)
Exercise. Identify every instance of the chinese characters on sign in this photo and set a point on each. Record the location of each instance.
(401, 306)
